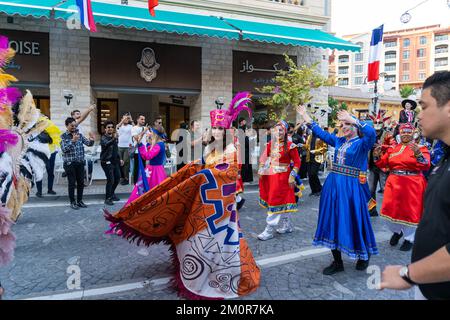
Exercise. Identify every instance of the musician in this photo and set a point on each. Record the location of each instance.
(315, 156)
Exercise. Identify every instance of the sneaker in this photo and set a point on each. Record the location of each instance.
(38, 194)
(266, 234)
(286, 227)
(362, 265)
(109, 202)
(406, 246)
(51, 192)
(74, 206)
(81, 204)
(395, 238)
(333, 268)
(240, 204)
(115, 198)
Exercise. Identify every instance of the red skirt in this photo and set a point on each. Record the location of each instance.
(403, 199)
(275, 194)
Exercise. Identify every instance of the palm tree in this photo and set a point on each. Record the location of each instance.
(406, 91)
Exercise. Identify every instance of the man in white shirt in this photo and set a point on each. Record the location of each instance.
(135, 131)
(124, 129)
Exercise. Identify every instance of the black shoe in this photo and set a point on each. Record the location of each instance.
(81, 204)
(115, 198)
(374, 212)
(395, 238)
(125, 182)
(74, 206)
(109, 202)
(51, 192)
(317, 194)
(38, 194)
(406, 246)
(240, 204)
(380, 191)
(335, 267)
(362, 265)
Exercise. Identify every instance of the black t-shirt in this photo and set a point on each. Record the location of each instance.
(433, 231)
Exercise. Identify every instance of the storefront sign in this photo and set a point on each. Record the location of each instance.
(31, 62)
(144, 65)
(255, 70)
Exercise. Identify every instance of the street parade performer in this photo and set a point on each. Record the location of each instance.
(405, 186)
(344, 221)
(384, 140)
(194, 211)
(277, 181)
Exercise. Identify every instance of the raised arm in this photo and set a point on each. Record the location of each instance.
(316, 129)
(85, 114)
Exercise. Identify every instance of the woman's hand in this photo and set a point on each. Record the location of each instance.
(344, 116)
(301, 110)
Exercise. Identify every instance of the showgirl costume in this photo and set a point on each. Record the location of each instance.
(194, 211)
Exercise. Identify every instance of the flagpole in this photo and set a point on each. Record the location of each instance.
(375, 98)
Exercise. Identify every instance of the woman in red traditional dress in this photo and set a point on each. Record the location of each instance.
(405, 186)
(277, 181)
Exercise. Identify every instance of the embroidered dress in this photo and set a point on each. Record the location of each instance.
(344, 221)
(406, 184)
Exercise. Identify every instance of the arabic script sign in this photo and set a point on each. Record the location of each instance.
(255, 70)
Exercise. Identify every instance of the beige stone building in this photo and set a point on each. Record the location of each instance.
(175, 64)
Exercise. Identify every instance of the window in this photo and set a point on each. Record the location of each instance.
(423, 40)
(344, 59)
(107, 109)
(359, 56)
(359, 68)
(406, 42)
(422, 65)
(343, 82)
(390, 55)
(390, 67)
(405, 67)
(390, 44)
(441, 37)
(406, 54)
(358, 80)
(343, 70)
(440, 62)
(421, 53)
(405, 77)
(441, 49)
(422, 75)
(390, 78)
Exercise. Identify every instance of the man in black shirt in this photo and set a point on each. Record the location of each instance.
(430, 267)
(110, 161)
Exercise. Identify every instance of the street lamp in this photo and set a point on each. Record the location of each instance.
(406, 17)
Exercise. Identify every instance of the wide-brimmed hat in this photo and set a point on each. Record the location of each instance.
(412, 100)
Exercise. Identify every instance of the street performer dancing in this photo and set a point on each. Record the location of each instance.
(344, 221)
(277, 181)
(405, 186)
(194, 211)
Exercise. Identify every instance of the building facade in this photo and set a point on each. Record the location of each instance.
(409, 57)
(178, 74)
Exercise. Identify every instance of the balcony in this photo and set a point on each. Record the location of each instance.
(441, 38)
(290, 2)
(441, 51)
(443, 62)
(390, 56)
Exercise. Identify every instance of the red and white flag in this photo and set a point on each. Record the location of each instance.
(376, 49)
(151, 6)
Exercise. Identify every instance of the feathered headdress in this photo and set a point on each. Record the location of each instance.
(224, 118)
(379, 120)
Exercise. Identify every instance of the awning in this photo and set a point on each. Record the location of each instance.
(117, 15)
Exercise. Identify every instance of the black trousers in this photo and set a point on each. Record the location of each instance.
(313, 175)
(50, 174)
(112, 173)
(75, 176)
(136, 166)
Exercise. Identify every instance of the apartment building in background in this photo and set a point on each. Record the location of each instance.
(409, 57)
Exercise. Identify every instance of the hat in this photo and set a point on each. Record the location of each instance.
(379, 119)
(412, 100)
(406, 128)
(224, 118)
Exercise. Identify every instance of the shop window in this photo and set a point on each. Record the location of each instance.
(107, 110)
(173, 116)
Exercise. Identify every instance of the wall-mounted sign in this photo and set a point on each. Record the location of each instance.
(144, 65)
(255, 70)
(31, 62)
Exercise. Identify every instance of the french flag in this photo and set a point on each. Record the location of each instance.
(376, 49)
(86, 15)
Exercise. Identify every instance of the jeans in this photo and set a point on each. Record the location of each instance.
(124, 154)
(112, 173)
(50, 174)
(313, 175)
(75, 176)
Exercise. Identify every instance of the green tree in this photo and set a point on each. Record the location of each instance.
(334, 108)
(406, 91)
(292, 88)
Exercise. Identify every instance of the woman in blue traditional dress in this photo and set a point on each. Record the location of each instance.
(344, 222)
